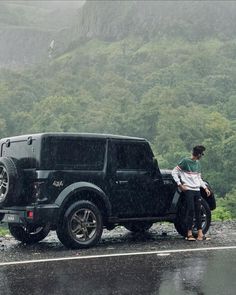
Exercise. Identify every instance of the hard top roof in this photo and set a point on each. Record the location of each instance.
(68, 134)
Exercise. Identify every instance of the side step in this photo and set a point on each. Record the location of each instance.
(169, 217)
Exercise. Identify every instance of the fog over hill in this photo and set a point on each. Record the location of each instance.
(28, 27)
(161, 70)
(193, 20)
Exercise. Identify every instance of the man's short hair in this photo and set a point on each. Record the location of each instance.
(198, 150)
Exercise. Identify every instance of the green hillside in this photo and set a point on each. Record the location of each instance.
(173, 90)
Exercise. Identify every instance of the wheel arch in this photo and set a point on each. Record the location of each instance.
(84, 191)
(178, 196)
(211, 201)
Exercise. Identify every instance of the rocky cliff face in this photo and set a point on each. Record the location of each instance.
(26, 31)
(112, 20)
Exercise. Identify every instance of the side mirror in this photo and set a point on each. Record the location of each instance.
(154, 166)
(155, 163)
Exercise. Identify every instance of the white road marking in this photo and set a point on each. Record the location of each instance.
(160, 253)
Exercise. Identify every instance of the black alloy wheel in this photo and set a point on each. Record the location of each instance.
(180, 222)
(29, 235)
(4, 183)
(10, 181)
(82, 225)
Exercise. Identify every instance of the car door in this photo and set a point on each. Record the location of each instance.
(134, 190)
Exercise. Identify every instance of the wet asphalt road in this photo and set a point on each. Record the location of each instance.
(164, 270)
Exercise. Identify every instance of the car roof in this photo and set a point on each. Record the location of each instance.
(70, 134)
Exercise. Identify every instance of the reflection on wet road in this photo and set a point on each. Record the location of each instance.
(201, 273)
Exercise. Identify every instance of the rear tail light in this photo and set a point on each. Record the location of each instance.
(30, 214)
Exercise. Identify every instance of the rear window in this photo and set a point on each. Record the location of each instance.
(73, 153)
(22, 151)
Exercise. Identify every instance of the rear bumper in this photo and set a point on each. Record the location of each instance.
(40, 214)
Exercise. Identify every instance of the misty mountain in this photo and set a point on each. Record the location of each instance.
(28, 27)
(191, 20)
(165, 71)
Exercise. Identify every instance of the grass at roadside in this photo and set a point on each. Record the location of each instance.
(221, 214)
(3, 231)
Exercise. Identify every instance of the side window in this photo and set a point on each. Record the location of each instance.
(132, 156)
(75, 153)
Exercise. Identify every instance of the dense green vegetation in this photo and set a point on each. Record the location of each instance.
(175, 91)
(3, 230)
(226, 207)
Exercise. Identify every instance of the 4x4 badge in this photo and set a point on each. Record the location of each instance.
(58, 183)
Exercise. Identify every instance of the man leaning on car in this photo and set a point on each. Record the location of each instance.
(187, 175)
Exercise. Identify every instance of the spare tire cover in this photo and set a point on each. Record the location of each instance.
(10, 181)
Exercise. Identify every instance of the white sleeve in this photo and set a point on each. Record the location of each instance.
(175, 174)
(202, 183)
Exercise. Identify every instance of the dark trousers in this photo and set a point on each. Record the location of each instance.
(193, 199)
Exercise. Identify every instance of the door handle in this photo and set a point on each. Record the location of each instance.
(121, 181)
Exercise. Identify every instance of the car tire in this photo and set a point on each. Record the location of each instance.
(180, 222)
(30, 235)
(138, 226)
(10, 181)
(81, 226)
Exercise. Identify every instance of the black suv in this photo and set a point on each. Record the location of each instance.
(77, 184)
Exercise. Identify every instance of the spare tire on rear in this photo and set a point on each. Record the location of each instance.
(10, 181)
